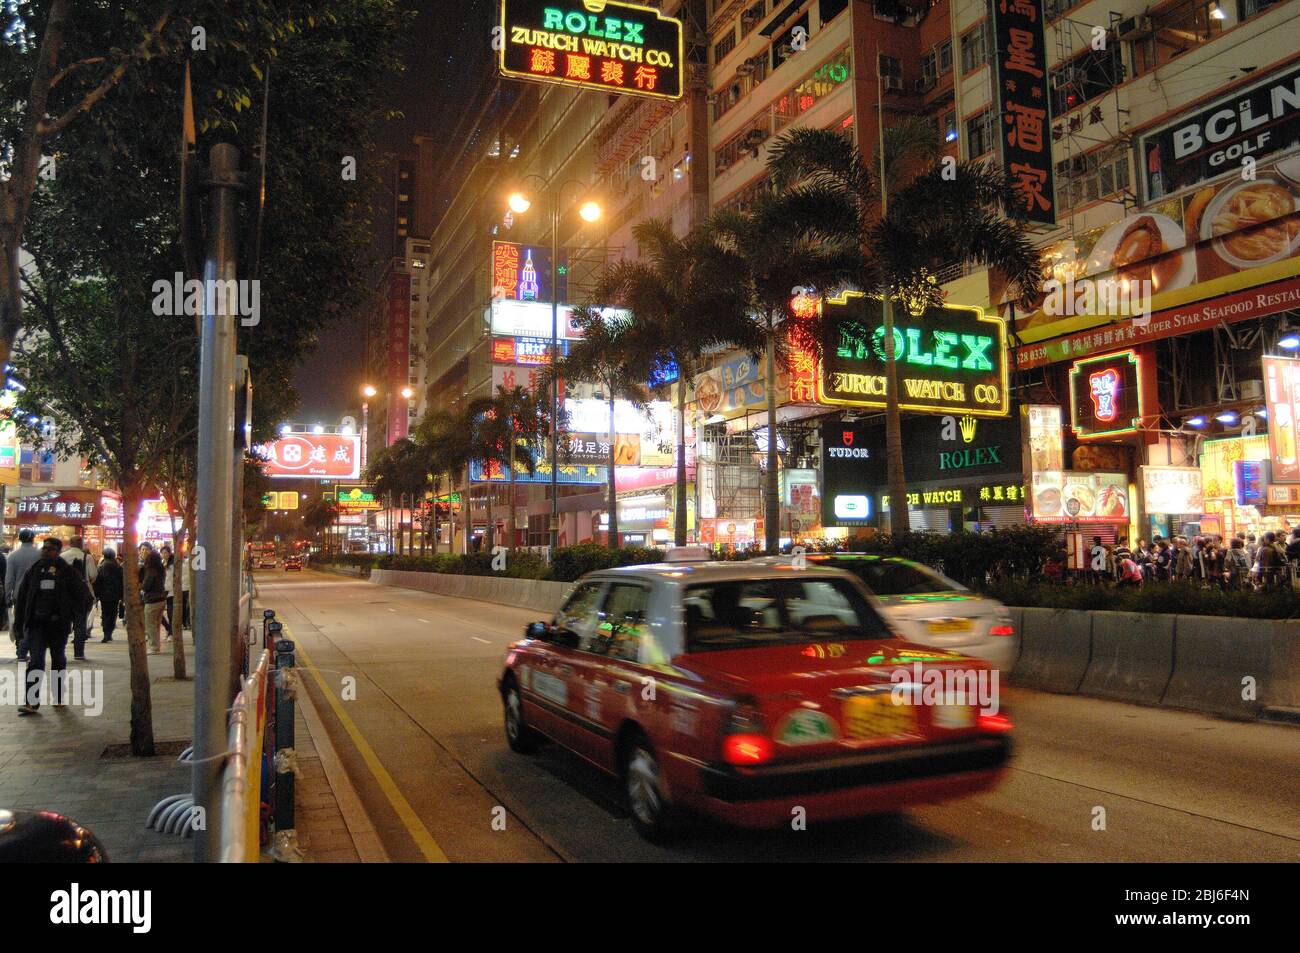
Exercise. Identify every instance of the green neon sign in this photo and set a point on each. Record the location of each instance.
(590, 24)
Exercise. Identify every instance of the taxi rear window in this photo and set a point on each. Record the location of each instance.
(893, 579)
(737, 613)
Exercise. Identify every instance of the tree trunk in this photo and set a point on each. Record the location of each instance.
(679, 507)
(613, 538)
(141, 704)
(469, 516)
(771, 493)
(898, 518)
(513, 536)
(490, 536)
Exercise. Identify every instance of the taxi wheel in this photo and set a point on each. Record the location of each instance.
(651, 813)
(519, 736)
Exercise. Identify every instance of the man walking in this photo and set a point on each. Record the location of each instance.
(16, 566)
(48, 601)
(84, 567)
(108, 589)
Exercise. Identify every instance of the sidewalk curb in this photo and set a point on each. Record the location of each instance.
(369, 848)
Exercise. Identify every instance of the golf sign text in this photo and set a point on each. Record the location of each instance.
(948, 359)
(615, 47)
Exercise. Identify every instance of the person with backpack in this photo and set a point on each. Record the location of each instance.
(85, 568)
(1236, 565)
(49, 599)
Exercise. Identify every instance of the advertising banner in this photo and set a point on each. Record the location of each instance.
(1172, 490)
(1282, 395)
(1046, 448)
(1079, 496)
(1258, 121)
(623, 48)
(525, 350)
(523, 272)
(356, 497)
(949, 359)
(1218, 473)
(1021, 63)
(567, 473)
(593, 449)
(1226, 251)
(399, 354)
(324, 456)
(59, 508)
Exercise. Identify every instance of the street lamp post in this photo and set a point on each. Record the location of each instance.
(367, 392)
(589, 212)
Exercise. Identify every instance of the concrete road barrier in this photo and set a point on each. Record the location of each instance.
(1132, 657)
(541, 595)
(1056, 646)
(1219, 663)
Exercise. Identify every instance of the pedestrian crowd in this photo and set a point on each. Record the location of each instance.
(1243, 562)
(51, 592)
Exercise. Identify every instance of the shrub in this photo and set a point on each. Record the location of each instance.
(1160, 597)
(970, 558)
(571, 562)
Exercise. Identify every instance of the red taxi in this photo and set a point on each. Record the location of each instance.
(745, 692)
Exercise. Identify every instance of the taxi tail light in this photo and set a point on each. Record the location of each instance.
(745, 741)
(995, 722)
(1002, 628)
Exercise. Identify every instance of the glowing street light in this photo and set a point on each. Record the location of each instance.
(519, 203)
(368, 391)
(408, 393)
(589, 212)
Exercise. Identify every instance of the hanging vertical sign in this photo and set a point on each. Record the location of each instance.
(1023, 104)
(399, 354)
(597, 44)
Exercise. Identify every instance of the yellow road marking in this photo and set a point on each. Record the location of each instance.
(410, 820)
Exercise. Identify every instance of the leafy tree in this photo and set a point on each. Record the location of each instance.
(618, 361)
(319, 515)
(448, 437)
(784, 241)
(515, 420)
(934, 214)
(684, 306)
(399, 471)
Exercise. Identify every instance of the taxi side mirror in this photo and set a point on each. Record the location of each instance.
(537, 630)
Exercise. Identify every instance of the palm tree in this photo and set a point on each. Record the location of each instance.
(399, 470)
(683, 306)
(928, 215)
(514, 419)
(447, 439)
(618, 361)
(784, 241)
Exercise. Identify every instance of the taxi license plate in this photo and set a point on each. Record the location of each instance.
(938, 626)
(953, 716)
(876, 716)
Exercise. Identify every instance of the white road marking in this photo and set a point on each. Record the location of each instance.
(392, 610)
(426, 622)
(477, 639)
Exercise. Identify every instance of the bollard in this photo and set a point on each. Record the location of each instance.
(283, 735)
(268, 616)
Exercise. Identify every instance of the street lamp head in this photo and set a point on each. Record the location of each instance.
(369, 391)
(318, 429)
(589, 212)
(284, 428)
(407, 393)
(519, 203)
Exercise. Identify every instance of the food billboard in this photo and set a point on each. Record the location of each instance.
(1079, 496)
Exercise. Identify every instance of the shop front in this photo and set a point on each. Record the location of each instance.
(962, 472)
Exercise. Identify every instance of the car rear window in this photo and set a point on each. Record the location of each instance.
(894, 579)
(736, 613)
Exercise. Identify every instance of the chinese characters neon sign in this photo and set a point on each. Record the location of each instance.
(1024, 106)
(611, 46)
(1106, 394)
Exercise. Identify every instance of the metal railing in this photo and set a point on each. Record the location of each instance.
(241, 774)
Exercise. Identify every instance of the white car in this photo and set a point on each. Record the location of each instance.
(929, 608)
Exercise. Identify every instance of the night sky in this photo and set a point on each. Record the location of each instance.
(446, 47)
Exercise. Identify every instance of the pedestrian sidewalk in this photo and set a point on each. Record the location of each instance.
(79, 764)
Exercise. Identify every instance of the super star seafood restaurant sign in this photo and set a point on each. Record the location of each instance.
(613, 47)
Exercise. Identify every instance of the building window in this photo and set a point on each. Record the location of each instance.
(936, 62)
(1054, 8)
(1182, 27)
(974, 48)
(725, 45)
(979, 134)
(751, 17)
(828, 10)
(1087, 76)
(743, 143)
(36, 466)
(1250, 7)
(1091, 178)
(782, 46)
(948, 126)
(800, 99)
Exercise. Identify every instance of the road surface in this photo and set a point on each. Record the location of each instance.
(416, 720)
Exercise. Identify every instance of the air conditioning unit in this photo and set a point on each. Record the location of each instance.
(927, 84)
(1132, 28)
(1251, 390)
(894, 83)
(746, 68)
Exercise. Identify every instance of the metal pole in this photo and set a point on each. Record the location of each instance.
(555, 353)
(365, 434)
(215, 510)
(238, 647)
